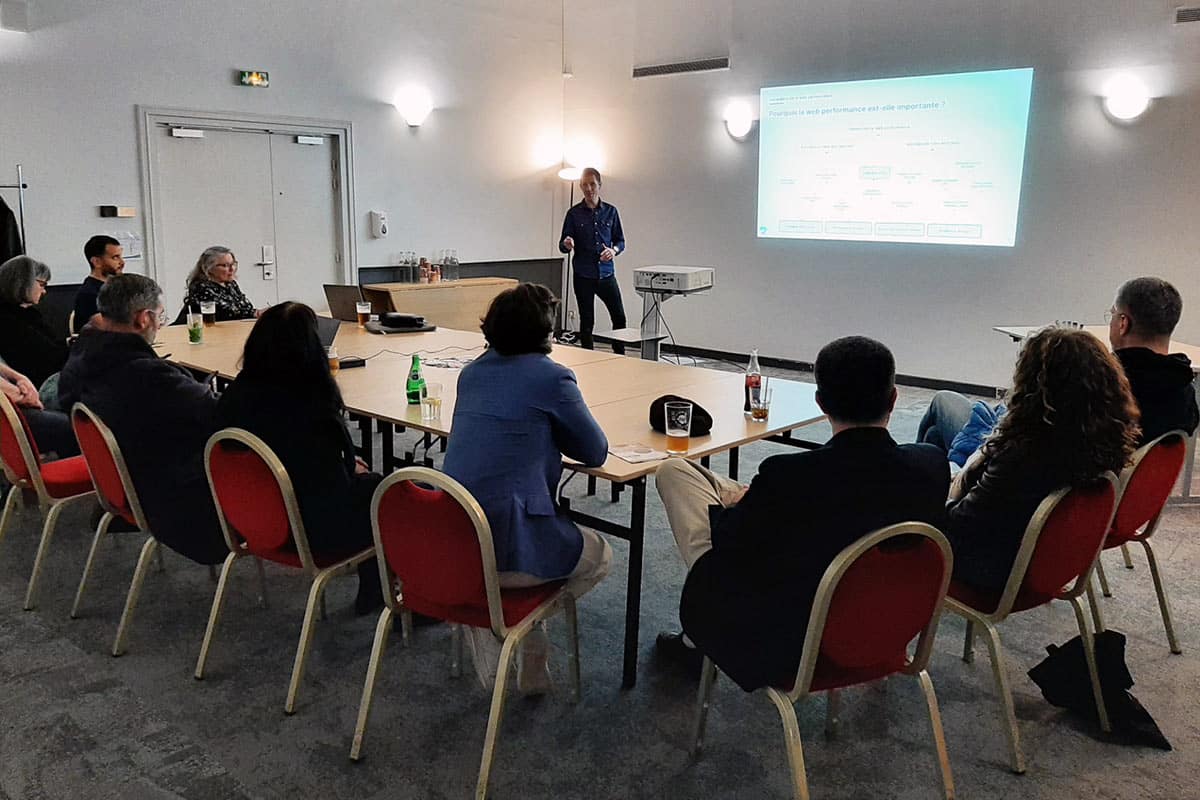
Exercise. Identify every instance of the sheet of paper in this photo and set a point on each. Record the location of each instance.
(636, 453)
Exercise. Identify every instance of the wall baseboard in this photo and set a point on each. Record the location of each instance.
(805, 366)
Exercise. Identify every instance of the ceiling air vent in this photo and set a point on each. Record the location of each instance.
(1187, 14)
(703, 65)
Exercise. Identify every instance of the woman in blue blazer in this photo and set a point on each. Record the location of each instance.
(516, 415)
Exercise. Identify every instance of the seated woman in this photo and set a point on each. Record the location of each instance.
(27, 344)
(287, 397)
(516, 415)
(1070, 418)
(214, 279)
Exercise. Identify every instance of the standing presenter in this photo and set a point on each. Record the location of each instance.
(592, 229)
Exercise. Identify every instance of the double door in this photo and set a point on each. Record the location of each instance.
(274, 199)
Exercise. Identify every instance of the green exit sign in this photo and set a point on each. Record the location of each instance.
(257, 78)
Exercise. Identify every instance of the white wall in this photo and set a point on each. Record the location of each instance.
(1100, 203)
(469, 178)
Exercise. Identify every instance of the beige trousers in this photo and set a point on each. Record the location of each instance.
(594, 563)
(687, 490)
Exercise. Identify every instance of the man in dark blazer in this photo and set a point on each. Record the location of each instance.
(756, 555)
(160, 415)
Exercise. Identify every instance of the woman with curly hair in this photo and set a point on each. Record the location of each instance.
(214, 278)
(1070, 418)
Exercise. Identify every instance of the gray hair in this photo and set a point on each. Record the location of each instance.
(123, 296)
(17, 276)
(204, 264)
(1154, 305)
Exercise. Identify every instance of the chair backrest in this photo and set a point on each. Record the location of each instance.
(874, 598)
(19, 453)
(1061, 543)
(106, 464)
(437, 541)
(1147, 483)
(254, 496)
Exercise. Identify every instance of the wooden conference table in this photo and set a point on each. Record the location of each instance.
(617, 390)
(1019, 332)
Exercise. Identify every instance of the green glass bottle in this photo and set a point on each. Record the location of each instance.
(416, 383)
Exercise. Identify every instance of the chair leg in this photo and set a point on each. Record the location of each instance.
(11, 504)
(1107, 592)
(382, 629)
(573, 643)
(214, 614)
(316, 595)
(968, 654)
(833, 710)
(162, 565)
(406, 626)
(1008, 712)
(499, 695)
(263, 599)
(791, 734)
(1094, 605)
(939, 735)
(101, 532)
(1125, 555)
(1089, 652)
(456, 650)
(1164, 605)
(43, 549)
(708, 676)
(135, 589)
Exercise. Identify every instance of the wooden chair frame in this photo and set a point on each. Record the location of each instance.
(1143, 538)
(50, 507)
(785, 701)
(510, 637)
(237, 549)
(989, 621)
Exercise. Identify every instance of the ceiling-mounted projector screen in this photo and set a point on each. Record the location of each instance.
(934, 159)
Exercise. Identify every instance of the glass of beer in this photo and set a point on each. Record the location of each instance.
(760, 401)
(195, 328)
(363, 308)
(431, 401)
(332, 354)
(678, 426)
(208, 310)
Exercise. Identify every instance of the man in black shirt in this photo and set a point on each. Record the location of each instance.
(104, 255)
(592, 229)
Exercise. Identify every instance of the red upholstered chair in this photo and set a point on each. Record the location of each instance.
(261, 518)
(1144, 488)
(118, 498)
(871, 603)
(1059, 548)
(437, 542)
(55, 483)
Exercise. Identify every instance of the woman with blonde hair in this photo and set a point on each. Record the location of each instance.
(1070, 418)
(214, 279)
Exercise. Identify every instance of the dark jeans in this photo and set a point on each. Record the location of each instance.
(586, 290)
(52, 432)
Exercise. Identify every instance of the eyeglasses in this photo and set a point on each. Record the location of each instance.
(42, 282)
(1112, 313)
(160, 314)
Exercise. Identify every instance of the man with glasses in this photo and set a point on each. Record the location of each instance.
(159, 413)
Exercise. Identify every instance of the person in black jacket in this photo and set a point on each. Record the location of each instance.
(756, 555)
(27, 344)
(1070, 418)
(105, 258)
(287, 397)
(1140, 324)
(160, 415)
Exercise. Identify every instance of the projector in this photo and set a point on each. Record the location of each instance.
(672, 280)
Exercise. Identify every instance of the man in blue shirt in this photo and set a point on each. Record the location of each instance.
(592, 229)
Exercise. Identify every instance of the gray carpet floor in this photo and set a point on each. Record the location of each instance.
(76, 722)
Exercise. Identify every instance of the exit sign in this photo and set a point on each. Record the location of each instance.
(256, 78)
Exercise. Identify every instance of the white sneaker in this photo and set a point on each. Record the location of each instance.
(533, 663)
(485, 654)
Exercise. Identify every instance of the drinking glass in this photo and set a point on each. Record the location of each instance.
(195, 327)
(431, 401)
(678, 426)
(363, 309)
(760, 401)
(208, 310)
(334, 362)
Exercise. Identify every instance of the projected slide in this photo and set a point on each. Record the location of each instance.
(934, 159)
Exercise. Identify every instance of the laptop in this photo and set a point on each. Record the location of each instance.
(341, 301)
(327, 330)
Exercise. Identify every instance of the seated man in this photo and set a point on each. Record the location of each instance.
(1140, 324)
(104, 256)
(756, 555)
(160, 415)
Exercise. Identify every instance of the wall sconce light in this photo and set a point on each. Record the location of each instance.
(414, 104)
(1125, 98)
(739, 119)
(570, 173)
